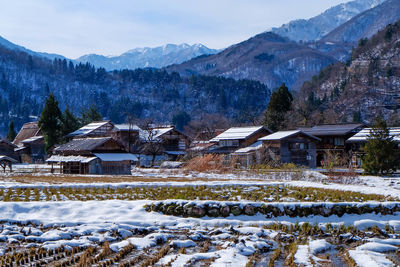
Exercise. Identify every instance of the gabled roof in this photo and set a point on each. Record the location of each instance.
(5, 141)
(333, 129)
(285, 134)
(28, 130)
(238, 133)
(89, 128)
(84, 144)
(362, 136)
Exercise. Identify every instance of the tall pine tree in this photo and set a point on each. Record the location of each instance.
(279, 104)
(51, 122)
(11, 132)
(381, 151)
(70, 122)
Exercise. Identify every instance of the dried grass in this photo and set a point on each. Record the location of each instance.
(207, 163)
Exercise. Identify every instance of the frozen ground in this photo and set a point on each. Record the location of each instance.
(39, 224)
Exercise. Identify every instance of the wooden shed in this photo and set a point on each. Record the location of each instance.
(102, 155)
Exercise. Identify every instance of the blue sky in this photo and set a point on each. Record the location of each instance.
(111, 27)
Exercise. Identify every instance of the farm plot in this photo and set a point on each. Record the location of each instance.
(267, 193)
(211, 224)
(107, 233)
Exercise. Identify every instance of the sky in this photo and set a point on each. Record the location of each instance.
(110, 27)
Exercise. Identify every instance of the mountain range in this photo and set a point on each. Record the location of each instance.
(272, 59)
(147, 57)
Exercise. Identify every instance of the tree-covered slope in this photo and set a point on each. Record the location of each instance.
(143, 93)
(366, 87)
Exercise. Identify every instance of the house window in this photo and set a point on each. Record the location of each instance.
(338, 141)
(298, 146)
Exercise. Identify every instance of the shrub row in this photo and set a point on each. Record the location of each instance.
(270, 210)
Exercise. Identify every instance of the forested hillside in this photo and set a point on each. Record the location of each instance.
(366, 86)
(25, 82)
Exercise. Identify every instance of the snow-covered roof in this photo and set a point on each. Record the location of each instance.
(32, 139)
(87, 129)
(81, 159)
(116, 156)
(237, 133)
(144, 135)
(126, 127)
(362, 136)
(257, 145)
(333, 129)
(285, 134)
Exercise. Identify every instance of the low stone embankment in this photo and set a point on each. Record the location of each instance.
(200, 209)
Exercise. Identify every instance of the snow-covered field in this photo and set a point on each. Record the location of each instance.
(107, 224)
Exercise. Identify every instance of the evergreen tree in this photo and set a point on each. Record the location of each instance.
(70, 122)
(180, 120)
(51, 122)
(279, 104)
(90, 115)
(381, 156)
(11, 132)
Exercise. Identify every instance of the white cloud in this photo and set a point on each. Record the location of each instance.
(74, 27)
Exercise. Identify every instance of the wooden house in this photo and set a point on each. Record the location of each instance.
(30, 142)
(93, 129)
(293, 147)
(333, 138)
(358, 141)
(237, 137)
(101, 155)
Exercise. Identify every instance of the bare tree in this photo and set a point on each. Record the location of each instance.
(151, 144)
(206, 127)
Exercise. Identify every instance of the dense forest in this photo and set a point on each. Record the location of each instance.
(26, 81)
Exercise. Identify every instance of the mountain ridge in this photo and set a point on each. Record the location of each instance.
(148, 57)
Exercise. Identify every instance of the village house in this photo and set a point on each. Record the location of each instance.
(358, 141)
(333, 139)
(30, 142)
(237, 137)
(159, 144)
(98, 155)
(295, 147)
(93, 129)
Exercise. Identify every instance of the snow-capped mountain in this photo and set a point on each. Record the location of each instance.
(315, 28)
(365, 24)
(156, 57)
